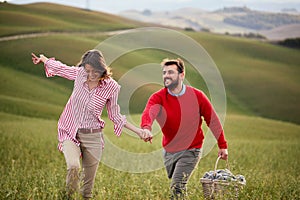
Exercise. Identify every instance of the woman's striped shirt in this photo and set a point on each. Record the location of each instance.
(84, 107)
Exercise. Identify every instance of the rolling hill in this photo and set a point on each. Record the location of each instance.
(260, 79)
(45, 17)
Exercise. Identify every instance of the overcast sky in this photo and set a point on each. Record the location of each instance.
(115, 6)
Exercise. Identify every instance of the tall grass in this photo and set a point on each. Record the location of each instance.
(264, 151)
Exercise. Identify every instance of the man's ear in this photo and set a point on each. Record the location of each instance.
(182, 75)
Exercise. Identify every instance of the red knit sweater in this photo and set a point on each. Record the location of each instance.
(180, 119)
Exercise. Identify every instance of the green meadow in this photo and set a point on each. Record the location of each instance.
(262, 122)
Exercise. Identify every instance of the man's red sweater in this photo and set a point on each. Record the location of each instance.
(180, 119)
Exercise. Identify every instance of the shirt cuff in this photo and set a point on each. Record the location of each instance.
(119, 127)
(147, 127)
(49, 68)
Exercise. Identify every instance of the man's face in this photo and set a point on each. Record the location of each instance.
(171, 76)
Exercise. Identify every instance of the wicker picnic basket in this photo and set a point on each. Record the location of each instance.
(221, 189)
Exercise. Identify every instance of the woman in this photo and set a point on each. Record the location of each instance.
(80, 125)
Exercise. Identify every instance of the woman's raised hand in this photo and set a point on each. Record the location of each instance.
(37, 60)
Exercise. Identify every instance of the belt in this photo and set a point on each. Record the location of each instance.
(89, 130)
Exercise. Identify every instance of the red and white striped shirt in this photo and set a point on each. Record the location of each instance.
(84, 107)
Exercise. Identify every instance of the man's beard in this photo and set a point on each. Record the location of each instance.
(173, 84)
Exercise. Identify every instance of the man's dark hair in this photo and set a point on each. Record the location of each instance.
(178, 62)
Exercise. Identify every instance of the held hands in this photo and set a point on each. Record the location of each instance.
(146, 135)
(223, 153)
(142, 133)
(37, 60)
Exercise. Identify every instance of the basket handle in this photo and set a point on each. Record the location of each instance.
(216, 165)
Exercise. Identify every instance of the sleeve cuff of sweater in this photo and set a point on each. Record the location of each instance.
(223, 145)
(147, 127)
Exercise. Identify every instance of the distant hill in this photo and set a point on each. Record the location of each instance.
(263, 21)
(231, 20)
(282, 32)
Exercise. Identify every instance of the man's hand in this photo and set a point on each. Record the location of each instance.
(223, 153)
(147, 135)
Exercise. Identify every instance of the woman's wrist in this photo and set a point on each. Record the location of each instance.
(134, 129)
(43, 58)
(140, 132)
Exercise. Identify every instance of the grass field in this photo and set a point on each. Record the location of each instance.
(262, 124)
(264, 151)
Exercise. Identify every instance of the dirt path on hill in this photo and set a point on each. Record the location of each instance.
(34, 35)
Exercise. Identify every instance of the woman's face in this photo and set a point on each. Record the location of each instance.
(93, 74)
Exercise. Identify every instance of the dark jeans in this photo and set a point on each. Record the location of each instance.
(179, 166)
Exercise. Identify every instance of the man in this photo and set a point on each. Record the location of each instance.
(179, 110)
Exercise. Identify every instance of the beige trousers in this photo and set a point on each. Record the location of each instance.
(90, 150)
